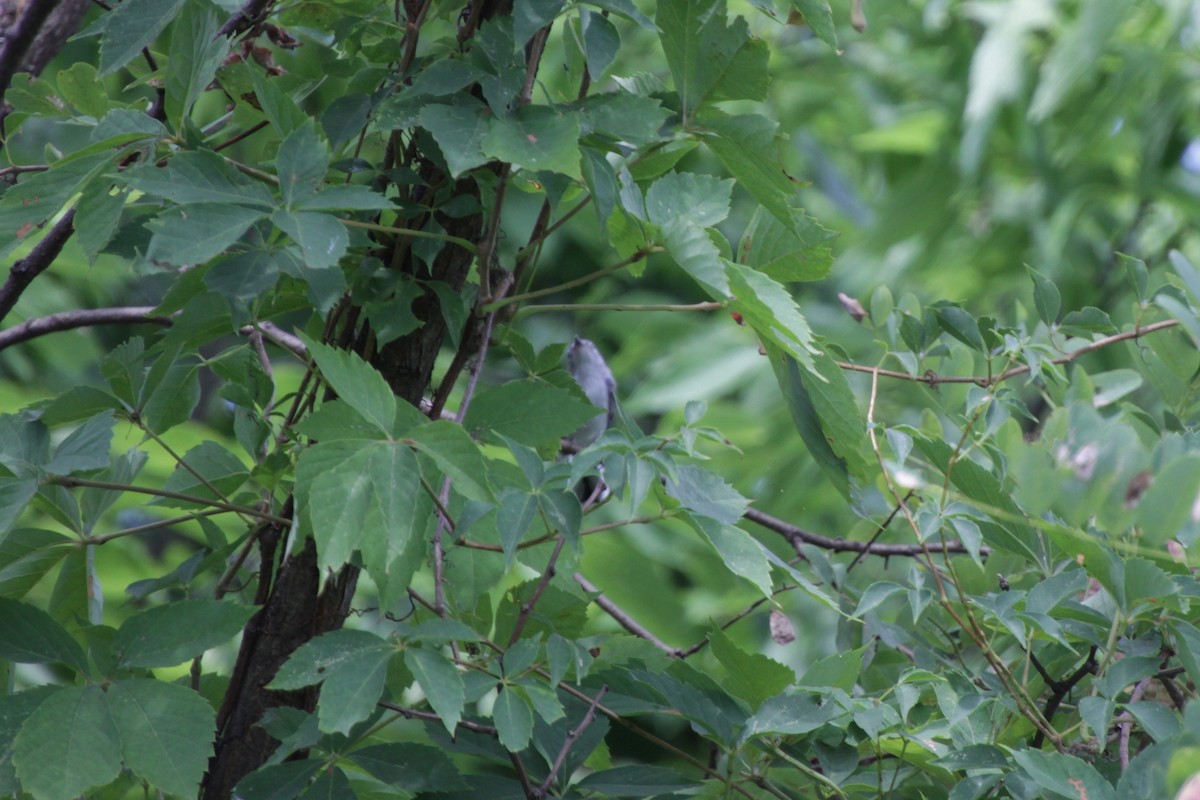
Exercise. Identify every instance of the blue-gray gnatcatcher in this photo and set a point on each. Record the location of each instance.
(589, 370)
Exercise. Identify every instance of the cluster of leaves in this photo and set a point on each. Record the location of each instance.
(481, 674)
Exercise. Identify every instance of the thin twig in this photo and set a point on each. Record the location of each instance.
(528, 606)
(984, 381)
(798, 535)
(71, 482)
(572, 737)
(624, 619)
(427, 716)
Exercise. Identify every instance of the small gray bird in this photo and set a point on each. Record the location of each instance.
(589, 370)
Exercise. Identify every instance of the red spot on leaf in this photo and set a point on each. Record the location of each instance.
(532, 139)
(24, 229)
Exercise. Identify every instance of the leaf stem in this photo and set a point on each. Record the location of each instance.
(71, 482)
(413, 232)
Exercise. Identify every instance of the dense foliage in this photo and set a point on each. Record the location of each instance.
(285, 504)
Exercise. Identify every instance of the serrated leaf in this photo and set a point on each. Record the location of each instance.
(196, 52)
(769, 308)
(513, 718)
(1065, 775)
(536, 138)
(793, 715)
(742, 555)
(626, 117)
(345, 197)
(799, 252)
(708, 57)
(351, 664)
(42, 195)
(28, 635)
(301, 163)
(166, 732)
(68, 745)
(751, 676)
(196, 233)
(693, 249)
(459, 131)
(440, 682)
(167, 635)
(1046, 297)
(356, 382)
(322, 238)
(86, 448)
(96, 217)
(635, 780)
(360, 496)
(457, 455)
(26, 555)
(530, 412)
(131, 26)
(706, 493)
(699, 200)
(409, 766)
(198, 176)
(80, 87)
(818, 16)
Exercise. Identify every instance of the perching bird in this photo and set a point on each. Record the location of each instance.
(590, 371)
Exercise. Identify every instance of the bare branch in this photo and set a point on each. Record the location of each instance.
(42, 256)
(798, 536)
(21, 37)
(68, 320)
(572, 736)
(624, 619)
(933, 379)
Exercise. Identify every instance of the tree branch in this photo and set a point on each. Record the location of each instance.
(68, 320)
(572, 736)
(624, 619)
(984, 381)
(798, 536)
(21, 37)
(42, 256)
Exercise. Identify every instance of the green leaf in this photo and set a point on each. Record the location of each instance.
(513, 718)
(626, 9)
(961, 325)
(1009, 530)
(440, 682)
(790, 715)
(196, 52)
(96, 217)
(353, 666)
(196, 233)
(456, 454)
(825, 413)
(170, 394)
(694, 199)
(301, 163)
(459, 131)
(1046, 297)
(167, 635)
(1065, 775)
(635, 780)
(40, 196)
(819, 17)
(706, 493)
(531, 15)
(131, 26)
(166, 732)
(26, 555)
(15, 494)
(219, 468)
(198, 176)
(28, 635)
(513, 518)
(284, 781)
(68, 745)
(625, 117)
(411, 767)
(769, 308)
(710, 59)
(1160, 514)
(742, 554)
(360, 496)
(799, 252)
(839, 671)
(86, 448)
(536, 138)
(1111, 386)
(356, 382)
(751, 676)
(601, 42)
(80, 87)
(346, 197)
(322, 238)
(693, 249)
(530, 412)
